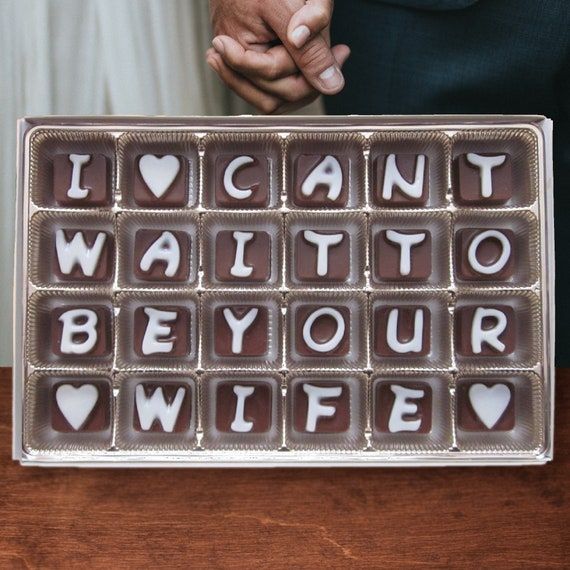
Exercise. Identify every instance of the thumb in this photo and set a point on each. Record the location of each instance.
(314, 58)
(309, 21)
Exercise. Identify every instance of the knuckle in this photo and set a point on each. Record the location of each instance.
(266, 106)
(315, 57)
(322, 16)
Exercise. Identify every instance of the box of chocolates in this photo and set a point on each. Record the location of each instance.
(281, 291)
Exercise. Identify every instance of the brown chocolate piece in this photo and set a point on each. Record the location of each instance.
(175, 196)
(144, 239)
(323, 329)
(169, 391)
(488, 252)
(95, 177)
(406, 164)
(179, 331)
(104, 269)
(337, 423)
(384, 399)
(103, 346)
(257, 255)
(306, 258)
(467, 418)
(387, 256)
(303, 165)
(463, 325)
(405, 329)
(255, 338)
(99, 419)
(257, 406)
(467, 182)
(254, 176)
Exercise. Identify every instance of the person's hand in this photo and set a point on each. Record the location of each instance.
(272, 76)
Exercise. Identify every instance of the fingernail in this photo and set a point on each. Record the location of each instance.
(331, 78)
(300, 35)
(212, 63)
(218, 45)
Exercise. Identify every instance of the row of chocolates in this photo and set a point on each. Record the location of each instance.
(405, 171)
(312, 330)
(326, 250)
(297, 412)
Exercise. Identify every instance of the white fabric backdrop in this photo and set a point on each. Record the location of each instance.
(83, 57)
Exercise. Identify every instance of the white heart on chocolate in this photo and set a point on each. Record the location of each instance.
(76, 403)
(489, 402)
(159, 172)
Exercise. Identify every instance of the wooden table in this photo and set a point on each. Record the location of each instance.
(336, 518)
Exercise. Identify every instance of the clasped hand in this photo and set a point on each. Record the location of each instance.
(276, 54)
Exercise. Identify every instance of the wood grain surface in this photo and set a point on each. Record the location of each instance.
(337, 518)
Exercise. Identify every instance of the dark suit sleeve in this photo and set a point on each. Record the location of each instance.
(431, 4)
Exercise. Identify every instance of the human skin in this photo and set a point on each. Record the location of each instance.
(276, 54)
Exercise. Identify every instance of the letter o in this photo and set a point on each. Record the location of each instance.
(334, 341)
(497, 265)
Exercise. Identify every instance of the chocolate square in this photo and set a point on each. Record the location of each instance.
(255, 338)
(406, 166)
(303, 166)
(387, 257)
(488, 252)
(385, 399)
(467, 417)
(339, 422)
(179, 331)
(80, 404)
(144, 239)
(104, 267)
(176, 195)
(405, 329)
(323, 330)
(257, 407)
(464, 317)
(256, 255)
(169, 393)
(94, 177)
(306, 255)
(103, 328)
(254, 176)
(468, 181)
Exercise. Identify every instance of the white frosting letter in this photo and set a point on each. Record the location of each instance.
(485, 165)
(406, 242)
(240, 424)
(75, 190)
(165, 248)
(503, 258)
(239, 268)
(239, 326)
(156, 407)
(323, 242)
(402, 407)
(229, 185)
(76, 252)
(157, 330)
(413, 345)
(392, 177)
(71, 328)
(479, 335)
(315, 409)
(334, 341)
(329, 173)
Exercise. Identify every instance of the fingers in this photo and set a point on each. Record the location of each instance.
(263, 102)
(309, 21)
(314, 58)
(272, 63)
(295, 87)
